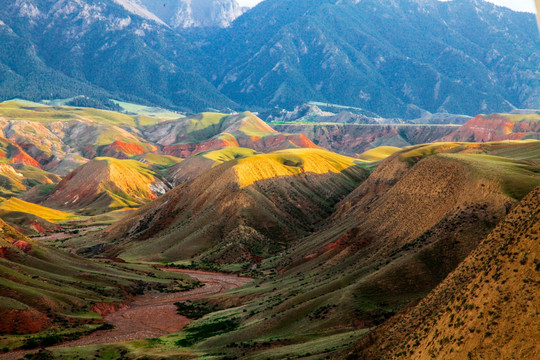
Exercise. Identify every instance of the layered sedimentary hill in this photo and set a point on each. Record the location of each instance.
(105, 184)
(212, 131)
(240, 209)
(353, 139)
(497, 127)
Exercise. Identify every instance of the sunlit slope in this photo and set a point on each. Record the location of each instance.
(378, 153)
(17, 205)
(17, 178)
(289, 163)
(486, 308)
(391, 241)
(197, 164)
(252, 206)
(48, 114)
(106, 184)
(212, 131)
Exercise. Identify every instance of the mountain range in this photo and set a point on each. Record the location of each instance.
(459, 57)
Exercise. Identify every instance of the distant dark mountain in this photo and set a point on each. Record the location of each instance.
(57, 48)
(401, 58)
(394, 58)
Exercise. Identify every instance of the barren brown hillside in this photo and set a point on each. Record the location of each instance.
(488, 308)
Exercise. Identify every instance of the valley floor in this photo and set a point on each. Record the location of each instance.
(152, 315)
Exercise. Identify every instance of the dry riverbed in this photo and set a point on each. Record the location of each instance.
(152, 315)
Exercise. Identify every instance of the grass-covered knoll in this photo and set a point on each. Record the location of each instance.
(511, 164)
(147, 111)
(46, 114)
(288, 163)
(17, 205)
(164, 161)
(105, 184)
(228, 154)
(378, 153)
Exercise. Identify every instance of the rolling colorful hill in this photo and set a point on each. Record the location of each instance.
(104, 184)
(241, 209)
(354, 139)
(212, 131)
(497, 127)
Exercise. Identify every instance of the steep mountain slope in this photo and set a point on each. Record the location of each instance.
(496, 127)
(239, 210)
(99, 44)
(352, 139)
(201, 13)
(105, 184)
(212, 131)
(487, 308)
(456, 57)
(391, 241)
(342, 52)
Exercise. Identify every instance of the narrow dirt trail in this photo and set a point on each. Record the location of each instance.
(152, 315)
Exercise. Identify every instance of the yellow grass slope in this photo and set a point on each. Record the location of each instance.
(17, 205)
(107, 184)
(288, 163)
(378, 153)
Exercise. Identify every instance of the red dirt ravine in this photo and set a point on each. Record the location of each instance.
(153, 315)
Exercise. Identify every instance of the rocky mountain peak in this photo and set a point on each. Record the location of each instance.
(194, 13)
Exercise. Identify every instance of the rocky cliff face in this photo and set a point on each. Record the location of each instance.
(195, 13)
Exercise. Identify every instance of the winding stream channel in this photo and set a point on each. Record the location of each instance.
(152, 315)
